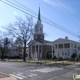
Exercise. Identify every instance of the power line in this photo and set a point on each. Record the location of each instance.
(58, 27)
(62, 14)
(41, 16)
(66, 9)
(33, 12)
(36, 13)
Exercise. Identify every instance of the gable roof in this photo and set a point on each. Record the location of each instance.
(61, 40)
(40, 41)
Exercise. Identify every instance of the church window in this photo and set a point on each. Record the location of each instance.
(36, 29)
(41, 37)
(75, 45)
(62, 53)
(40, 29)
(56, 46)
(35, 36)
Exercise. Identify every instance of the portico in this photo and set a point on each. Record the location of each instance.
(36, 51)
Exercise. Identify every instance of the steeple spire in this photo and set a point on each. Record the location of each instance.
(39, 16)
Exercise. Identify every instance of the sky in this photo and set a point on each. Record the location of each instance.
(65, 13)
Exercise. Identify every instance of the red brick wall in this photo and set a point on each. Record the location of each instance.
(45, 49)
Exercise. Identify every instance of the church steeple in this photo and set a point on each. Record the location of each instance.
(39, 16)
(39, 35)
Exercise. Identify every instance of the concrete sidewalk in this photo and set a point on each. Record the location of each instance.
(6, 77)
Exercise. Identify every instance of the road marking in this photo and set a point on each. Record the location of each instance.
(21, 75)
(31, 75)
(16, 76)
(46, 70)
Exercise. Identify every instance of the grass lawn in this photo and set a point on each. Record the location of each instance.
(45, 62)
(58, 64)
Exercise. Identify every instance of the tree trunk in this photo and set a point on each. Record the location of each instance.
(24, 52)
(2, 57)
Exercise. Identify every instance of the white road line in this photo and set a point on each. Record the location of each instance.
(16, 76)
(46, 70)
(32, 74)
(21, 75)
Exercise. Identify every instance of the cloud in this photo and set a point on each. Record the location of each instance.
(59, 4)
(15, 13)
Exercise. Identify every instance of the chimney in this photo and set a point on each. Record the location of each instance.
(66, 38)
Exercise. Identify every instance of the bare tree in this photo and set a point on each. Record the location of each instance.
(19, 44)
(4, 47)
(23, 29)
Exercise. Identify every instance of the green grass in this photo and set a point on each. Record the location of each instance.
(54, 63)
(58, 64)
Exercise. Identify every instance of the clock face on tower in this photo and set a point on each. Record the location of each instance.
(39, 37)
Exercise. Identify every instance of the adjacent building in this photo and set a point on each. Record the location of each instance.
(65, 48)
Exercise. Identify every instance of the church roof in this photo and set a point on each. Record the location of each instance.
(61, 40)
(44, 41)
(41, 41)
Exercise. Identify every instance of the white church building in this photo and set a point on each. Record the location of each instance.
(65, 48)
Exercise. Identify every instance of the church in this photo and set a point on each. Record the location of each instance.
(62, 47)
(38, 47)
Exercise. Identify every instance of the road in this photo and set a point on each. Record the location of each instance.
(26, 71)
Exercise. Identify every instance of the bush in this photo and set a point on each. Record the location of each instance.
(60, 59)
(54, 58)
(48, 55)
(15, 57)
(74, 55)
(73, 59)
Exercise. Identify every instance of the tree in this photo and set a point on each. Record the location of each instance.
(1, 48)
(74, 55)
(22, 29)
(19, 44)
(4, 47)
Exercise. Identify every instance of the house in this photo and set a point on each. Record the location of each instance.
(65, 48)
(17, 51)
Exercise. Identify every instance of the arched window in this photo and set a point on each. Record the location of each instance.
(40, 29)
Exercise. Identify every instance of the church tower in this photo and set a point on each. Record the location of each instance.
(39, 35)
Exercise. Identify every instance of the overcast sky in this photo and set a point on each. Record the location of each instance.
(65, 13)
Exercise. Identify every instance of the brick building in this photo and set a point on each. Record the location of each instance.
(38, 47)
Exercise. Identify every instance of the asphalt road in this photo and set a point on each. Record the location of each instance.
(25, 71)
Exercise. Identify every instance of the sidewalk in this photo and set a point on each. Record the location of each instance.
(6, 77)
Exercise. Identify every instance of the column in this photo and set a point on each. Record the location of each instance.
(57, 50)
(31, 51)
(41, 52)
(35, 55)
(63, 54)
(70, 50)
(38, 52)
(52, 51)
